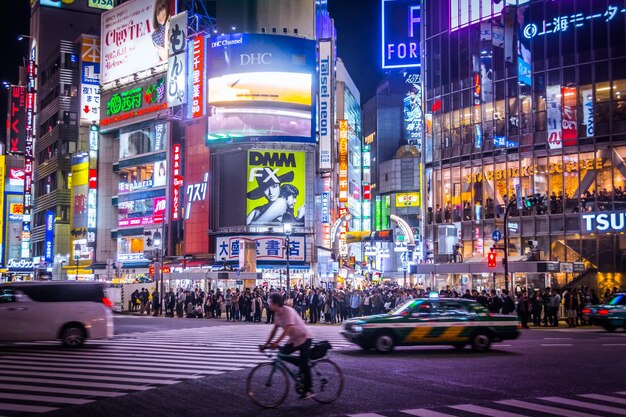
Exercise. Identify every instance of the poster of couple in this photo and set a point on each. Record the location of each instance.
(276, 192)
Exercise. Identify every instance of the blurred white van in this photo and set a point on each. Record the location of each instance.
(69, 311)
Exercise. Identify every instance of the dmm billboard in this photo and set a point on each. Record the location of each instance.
(276, 187)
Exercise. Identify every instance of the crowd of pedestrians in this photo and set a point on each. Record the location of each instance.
(321, 305)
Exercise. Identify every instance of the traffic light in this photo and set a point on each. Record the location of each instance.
(491, 259)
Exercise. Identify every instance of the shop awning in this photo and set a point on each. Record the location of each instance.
(478, 265)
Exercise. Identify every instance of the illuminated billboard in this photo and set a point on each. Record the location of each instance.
(343, 161)
(147, 139)
(134, 38)
(196, 205)
(276, 190)
(90, 80)
(401, 25)
(260, 87)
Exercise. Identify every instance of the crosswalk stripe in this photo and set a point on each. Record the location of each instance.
(366, 415)
(582, 404)
(26, 408)
(544, 408)
(485, 411)
(52, 390)
(119, 364)
(138, 381)
(621, 392)
(422, 412)
(604, 398)
(118, 360)
(89, 384)
(82, 370)
(43, 398)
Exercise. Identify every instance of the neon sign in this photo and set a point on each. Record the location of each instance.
(565, 23)
(400, 41)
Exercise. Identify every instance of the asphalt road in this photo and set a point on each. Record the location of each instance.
(559, 363)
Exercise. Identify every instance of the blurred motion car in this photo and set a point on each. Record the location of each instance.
(432, 321)
(611, 315)
(69, 311)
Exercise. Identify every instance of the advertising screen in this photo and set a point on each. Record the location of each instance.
(143, 140)
(139, 212)
(261, 88)
(276, 187)
(14, 210)
(196, 202)
(134, 38)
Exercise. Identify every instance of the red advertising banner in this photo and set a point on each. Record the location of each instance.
(17, 120)
(569, 119)
(196, 201)
(343, 161)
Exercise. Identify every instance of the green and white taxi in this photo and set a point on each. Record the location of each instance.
(611, 315)
(432, 321)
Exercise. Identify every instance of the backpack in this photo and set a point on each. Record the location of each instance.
(320, 349)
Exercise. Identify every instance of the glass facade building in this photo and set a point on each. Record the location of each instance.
(529, 99)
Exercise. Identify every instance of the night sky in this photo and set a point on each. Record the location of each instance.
(358, 32)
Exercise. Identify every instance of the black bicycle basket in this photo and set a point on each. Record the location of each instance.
(320, 349)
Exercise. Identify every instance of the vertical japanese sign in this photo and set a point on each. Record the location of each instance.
(412, 110)
(570, 117)
(3, 204)
(326, 88)
(196, 78)
(92, 192)
(588, 112)
(90, 80)
(177, 63)
(343, 161)
(28, 150)
(553, 102)
(49, 242)
(177, 182)
(378, 213)
(17, 120)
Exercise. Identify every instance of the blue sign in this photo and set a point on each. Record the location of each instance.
(401, 25)
(49, 242)
(496, 236)
(503, 142)
(561, 24)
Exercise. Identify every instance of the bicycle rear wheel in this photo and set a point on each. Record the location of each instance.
(267, 385)
(327, 380)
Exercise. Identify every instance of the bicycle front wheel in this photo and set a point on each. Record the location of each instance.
(267, 385)
(327, 380)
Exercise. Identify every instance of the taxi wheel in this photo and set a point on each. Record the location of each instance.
(481, 341)
(384, 342)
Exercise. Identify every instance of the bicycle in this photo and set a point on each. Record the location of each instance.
(268, 383)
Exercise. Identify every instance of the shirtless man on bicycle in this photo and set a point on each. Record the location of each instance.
(300, 338)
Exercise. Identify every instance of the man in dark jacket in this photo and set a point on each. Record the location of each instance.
(508, 306)
(495, 303)
(313, 310)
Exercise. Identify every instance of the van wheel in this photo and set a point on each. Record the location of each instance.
(384, 342)
(73, 336)
(481, 341)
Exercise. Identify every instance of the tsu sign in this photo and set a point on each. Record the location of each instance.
(604, 222)
(401, 23)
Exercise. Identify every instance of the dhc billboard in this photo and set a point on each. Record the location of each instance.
(401, 25)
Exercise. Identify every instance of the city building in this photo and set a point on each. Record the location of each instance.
(527, 110)
(59, 33)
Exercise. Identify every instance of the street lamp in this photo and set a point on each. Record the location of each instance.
(157, 243)
(287, 231)
(76, 257)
